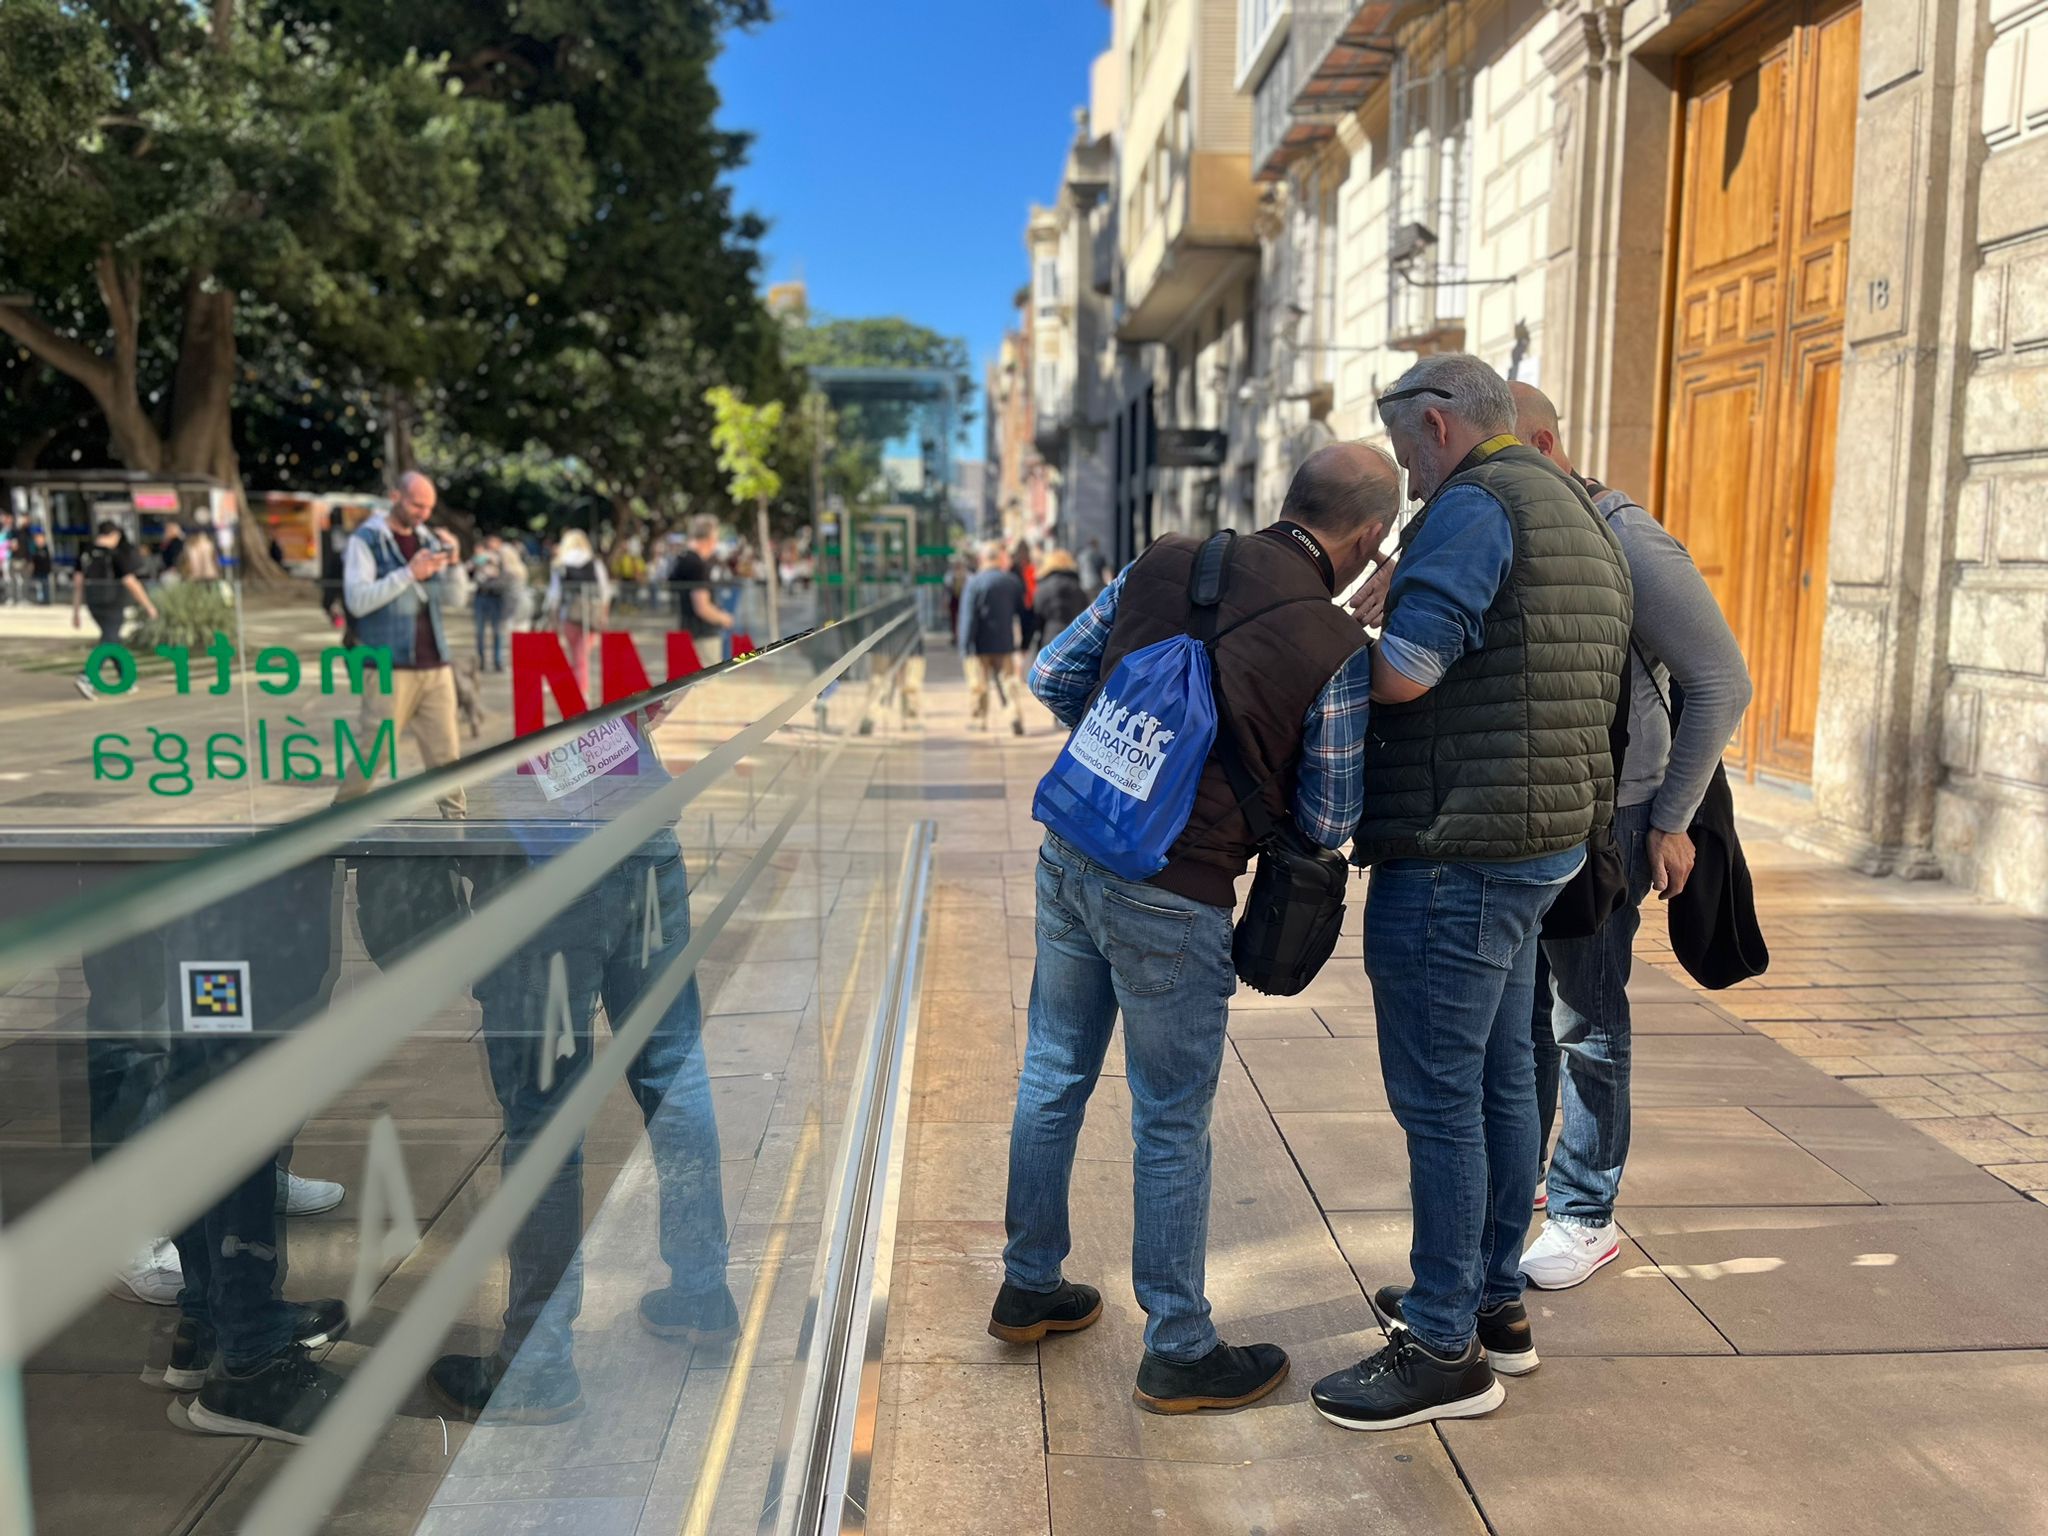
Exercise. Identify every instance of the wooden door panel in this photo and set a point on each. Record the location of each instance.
(1830, 151)
(1735, 146)
(1764, 180)
(1798, 567)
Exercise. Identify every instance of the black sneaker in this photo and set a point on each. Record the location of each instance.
(1024, 1317)
(278, 1400)
(1229, 1376)
(703, 1317)
(1503, 1332)
(1408, 1383)
(319, 1324)
(470, 1384)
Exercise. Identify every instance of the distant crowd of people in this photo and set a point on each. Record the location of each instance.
(1003, 608)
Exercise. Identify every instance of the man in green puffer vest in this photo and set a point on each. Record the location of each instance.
(1504, 631)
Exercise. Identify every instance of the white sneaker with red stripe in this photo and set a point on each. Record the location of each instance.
(1566, 1254)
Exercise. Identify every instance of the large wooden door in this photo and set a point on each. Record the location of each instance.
(1765, 168)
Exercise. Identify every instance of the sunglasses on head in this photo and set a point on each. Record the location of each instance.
(1410, 394)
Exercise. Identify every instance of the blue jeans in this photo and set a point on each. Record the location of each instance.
(1450, 950)
(1590, 979)
(1547, 1068)
(1106, 944)
(599, 937)
(487, 609)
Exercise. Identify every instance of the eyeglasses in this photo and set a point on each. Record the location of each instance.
(1410, 394)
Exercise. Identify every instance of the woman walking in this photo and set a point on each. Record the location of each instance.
(579, 598)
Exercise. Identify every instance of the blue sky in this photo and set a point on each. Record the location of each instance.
(899, 145)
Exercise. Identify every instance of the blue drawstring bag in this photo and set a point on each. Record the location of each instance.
(1123, 786)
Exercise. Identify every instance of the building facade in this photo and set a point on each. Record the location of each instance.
(1783, 266)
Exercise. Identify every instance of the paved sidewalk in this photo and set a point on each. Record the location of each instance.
(1824, 1320)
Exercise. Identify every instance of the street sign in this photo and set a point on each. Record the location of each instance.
(1191, 448)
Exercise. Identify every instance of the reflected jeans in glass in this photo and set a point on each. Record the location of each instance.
(600, 936)
(1590, 979)
(1450, 950)
(487, 611)
(1106, 945)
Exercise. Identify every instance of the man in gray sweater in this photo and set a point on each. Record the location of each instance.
(1678, 636)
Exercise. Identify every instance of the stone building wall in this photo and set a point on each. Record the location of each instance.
(1991, 805)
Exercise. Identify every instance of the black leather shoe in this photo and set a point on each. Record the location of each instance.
(1025, 1317)
(1408, 1383)
(1503, 1332)
(1229, 1376)
(476, 1385)
(706, 1317)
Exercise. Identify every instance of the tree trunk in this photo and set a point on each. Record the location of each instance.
(770, 569)
(399, 457)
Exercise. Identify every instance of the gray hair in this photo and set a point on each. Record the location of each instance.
(703, 526)
(1461, 385)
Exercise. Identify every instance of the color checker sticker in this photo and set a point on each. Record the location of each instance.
(215, 995)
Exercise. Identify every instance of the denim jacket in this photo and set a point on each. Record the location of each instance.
(382, 595)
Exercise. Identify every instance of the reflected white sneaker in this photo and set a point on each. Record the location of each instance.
(306, 1197)
(1565, 1254)
(152, 1276)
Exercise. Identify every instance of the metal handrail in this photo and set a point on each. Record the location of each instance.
(818, 1485)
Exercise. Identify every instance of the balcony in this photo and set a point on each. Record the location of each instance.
(1206, 230)
(1278, 137)
(1342, 50)
(1053, 420)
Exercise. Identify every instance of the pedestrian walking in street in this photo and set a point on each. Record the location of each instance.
(1293, 671)
(170, 548)
(689, 577)
(1680, 639)
(579, 600)
(1504, 631)
(42, 567)
(394, 584)
(1094, 569)
(491, 579)
(992, 628)
(107, 580)
(1060, 599)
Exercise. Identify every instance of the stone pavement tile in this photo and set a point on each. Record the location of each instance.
(755, 986)
(607, 1480)
(1629, 1309)
(421, 1080)
(1275, 1023)
(2030, 1177)
(1676, 1070)
(950, 1239)
(1353, 1161)
(736, 1043)
(966, 1066)
(1316, 1074)
(1341, 985)
(1883, 1156)
(1723, 1156)
(1349, 1021)
(959, 1449)
(955, 1172)
(1760, 1447)
(956, 966)
(1828, 1280)
(535, 1517)
(1367, 1485)
(1650, 984)
(1665, 1018)
(386, 1494)
(738, 1467)
(939, 1310)
(103, 1458)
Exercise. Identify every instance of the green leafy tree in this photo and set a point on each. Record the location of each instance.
(170, 165)
(606, 360)
(746, 437)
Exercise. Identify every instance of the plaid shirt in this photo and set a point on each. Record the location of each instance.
(1329, 791)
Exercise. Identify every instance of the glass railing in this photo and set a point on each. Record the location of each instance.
(600, 1032)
